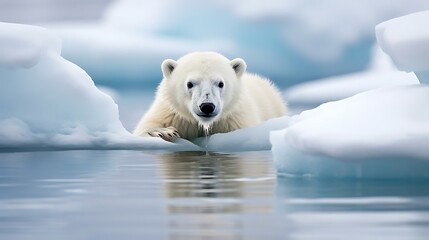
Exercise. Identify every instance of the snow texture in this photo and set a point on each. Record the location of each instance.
(381, 133)
(382, 73)
(47, 102)
(280, 39)
(406, 40)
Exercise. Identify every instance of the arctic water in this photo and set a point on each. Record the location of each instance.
(194, 195)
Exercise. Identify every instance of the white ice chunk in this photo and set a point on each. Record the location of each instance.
(406, 40)
(48, 102)
(381, 133)
(23, 46)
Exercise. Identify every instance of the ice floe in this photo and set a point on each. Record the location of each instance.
(47, 102)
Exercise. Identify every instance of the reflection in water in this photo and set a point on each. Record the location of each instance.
(207, 190)
(197, 174)
(137, 195)
(80, 195)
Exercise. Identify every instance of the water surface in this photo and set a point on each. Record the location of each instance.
(194, 195)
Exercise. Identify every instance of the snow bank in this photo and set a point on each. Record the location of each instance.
(382, 73)
(18, 50)
(406, 40)
(48, 102)
(279, 39)
(382, 133)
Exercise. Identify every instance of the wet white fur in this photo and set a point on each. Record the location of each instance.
(245, 100)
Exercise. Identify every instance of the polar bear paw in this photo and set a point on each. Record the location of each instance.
(168, 134)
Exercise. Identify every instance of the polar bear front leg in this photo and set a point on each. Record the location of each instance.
(157, 122)
(168, 134)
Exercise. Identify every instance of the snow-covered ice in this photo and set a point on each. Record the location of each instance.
(280, 39)
(48, 102)
(380, 133)
(406, 40)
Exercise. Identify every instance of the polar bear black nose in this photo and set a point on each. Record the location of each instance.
(207, 108)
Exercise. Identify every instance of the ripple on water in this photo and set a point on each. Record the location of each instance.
(195, 195)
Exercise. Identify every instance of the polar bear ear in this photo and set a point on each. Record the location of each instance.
(239, 66)
(168, 67)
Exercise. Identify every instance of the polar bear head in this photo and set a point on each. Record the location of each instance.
(202, 85)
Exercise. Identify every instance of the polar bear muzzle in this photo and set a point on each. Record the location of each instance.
(208, 109)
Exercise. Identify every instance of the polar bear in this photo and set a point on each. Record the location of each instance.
(205, 93)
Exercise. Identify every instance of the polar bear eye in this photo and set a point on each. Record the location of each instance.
(220, 84)
(189, 85)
